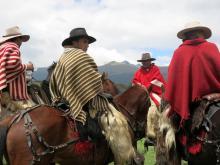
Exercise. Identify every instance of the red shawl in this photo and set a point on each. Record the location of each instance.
(194, 71)
(150, 76)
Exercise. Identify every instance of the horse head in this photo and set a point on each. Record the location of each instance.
(50, 70)
(108, 85)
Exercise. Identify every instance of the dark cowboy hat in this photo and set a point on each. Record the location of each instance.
(77, 33)
(146, 57)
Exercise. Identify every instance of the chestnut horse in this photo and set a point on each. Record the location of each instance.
(44, 135)
(203, 131)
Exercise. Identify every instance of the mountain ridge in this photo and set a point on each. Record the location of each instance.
(118, 72)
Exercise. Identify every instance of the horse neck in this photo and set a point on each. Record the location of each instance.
(134, 104)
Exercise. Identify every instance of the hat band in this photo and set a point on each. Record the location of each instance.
(9, 35)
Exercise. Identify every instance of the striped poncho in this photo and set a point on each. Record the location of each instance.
(76, 80)
(12, 71)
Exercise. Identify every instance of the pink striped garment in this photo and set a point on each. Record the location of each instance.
(12, 71)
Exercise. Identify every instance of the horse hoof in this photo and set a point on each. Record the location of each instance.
(149, 142)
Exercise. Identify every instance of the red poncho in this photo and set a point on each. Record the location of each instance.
(194, 71)
(150, 76)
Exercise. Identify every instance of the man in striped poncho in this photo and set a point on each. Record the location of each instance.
(13, 87)
(77, 81)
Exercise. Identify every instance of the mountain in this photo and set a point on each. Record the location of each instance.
(119, 72)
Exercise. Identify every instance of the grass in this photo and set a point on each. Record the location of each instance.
(149, 155)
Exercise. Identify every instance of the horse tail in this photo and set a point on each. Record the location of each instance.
(3, 134)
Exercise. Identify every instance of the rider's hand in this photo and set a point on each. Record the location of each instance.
(30, 66)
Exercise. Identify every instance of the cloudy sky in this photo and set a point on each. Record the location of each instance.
(124, 29)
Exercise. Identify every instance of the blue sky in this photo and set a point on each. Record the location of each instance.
(124, 29)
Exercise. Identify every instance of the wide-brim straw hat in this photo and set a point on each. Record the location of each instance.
(77, 33)
(146, 57)
(14, 32)
(193, 26)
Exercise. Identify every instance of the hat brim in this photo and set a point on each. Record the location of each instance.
(150, 59)
(207, 32)
(25, 38)
(68, 41)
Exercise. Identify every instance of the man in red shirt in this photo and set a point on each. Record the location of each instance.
(148, 75)
(13, 86)
(194, 70)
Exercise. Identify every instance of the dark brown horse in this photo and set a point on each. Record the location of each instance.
(43, 134)
(37, 94)
(202, 133)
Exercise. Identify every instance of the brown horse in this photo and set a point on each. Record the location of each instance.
(202, 129)
(42, 135)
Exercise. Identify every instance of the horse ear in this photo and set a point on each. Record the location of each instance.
(104, 76)
(163, 89)
(150, 88)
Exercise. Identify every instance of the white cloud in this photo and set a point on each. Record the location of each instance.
(124, 29)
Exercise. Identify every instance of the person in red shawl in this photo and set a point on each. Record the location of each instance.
(148, 75)
(194, 70)
(13, 87)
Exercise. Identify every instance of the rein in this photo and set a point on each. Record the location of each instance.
(30, 130)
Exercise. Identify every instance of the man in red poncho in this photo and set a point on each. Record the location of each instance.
(13, 86)
(194, 70)
(148, 75)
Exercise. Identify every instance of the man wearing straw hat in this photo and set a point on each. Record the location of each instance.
(148, 75)
(77, 81)
(194, 70)
(13, 87)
